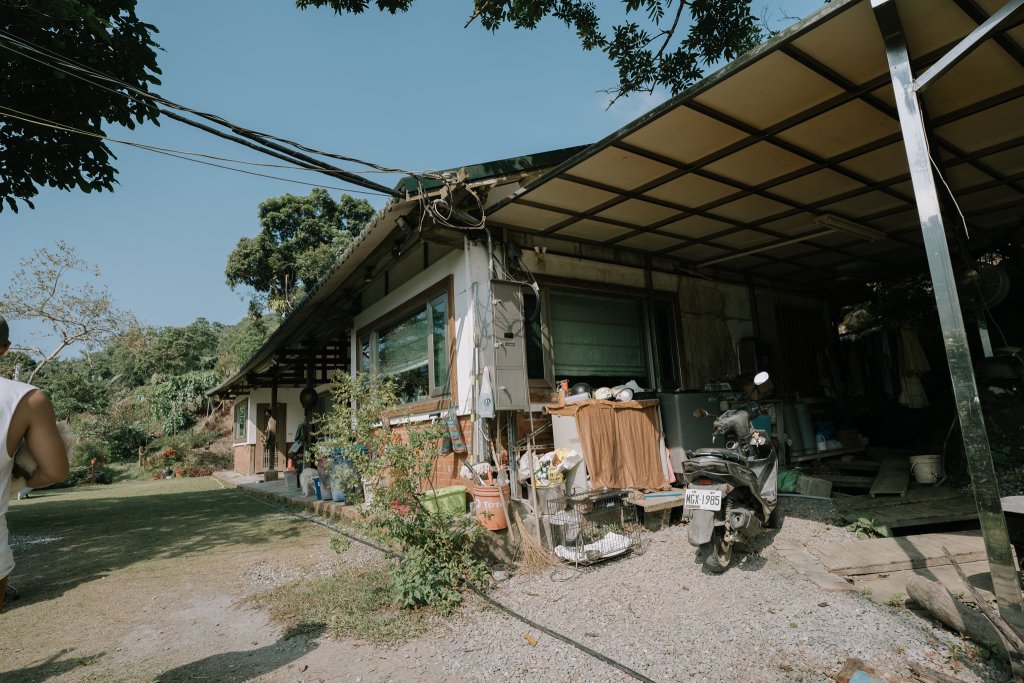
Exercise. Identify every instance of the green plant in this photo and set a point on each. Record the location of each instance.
(867, 528)
(397, 459)
(897, 601)
(356, 602)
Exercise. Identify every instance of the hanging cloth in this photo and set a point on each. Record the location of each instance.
(913, 363)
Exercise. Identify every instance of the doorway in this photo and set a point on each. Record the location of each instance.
(263, 459)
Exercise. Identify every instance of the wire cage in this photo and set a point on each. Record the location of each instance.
(589, 527)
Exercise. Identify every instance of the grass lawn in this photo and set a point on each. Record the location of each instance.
(134, 570)
(68, 537)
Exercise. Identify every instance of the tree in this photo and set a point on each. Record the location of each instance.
(239, 342)
(105, 36)
(300, 238)
(75, 312)
(650, 48)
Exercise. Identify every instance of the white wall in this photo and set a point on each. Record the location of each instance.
(294, 417)
(452, 264)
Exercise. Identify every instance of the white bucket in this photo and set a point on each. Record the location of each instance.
(927, 469)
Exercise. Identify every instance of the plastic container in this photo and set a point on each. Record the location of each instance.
(490, 511)
(316, 485)
(927, 469)
(450, 500)
(338, 496)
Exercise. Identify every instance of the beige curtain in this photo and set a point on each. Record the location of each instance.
(621, 442)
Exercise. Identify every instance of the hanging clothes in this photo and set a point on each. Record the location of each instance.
(912, 363)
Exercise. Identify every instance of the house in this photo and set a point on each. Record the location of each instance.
(717, 234)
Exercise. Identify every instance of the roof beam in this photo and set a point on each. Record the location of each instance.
(968, 44)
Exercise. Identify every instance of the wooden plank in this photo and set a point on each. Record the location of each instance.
(807, 565)
(880, 555)
(914, 495)
(851, 466)
(893, 478)
(652, 503)
(849, 480)
(818, 455)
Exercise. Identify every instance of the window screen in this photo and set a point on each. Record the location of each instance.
(596, 335)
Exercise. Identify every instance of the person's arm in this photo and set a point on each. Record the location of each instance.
(45, 442)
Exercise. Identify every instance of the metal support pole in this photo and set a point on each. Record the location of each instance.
(965, 390)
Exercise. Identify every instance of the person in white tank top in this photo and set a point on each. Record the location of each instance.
(25, 414)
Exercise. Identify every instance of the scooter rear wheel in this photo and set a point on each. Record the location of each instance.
(719, 553)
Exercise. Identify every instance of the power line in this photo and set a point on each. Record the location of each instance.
(33, 118)
(182, 155)
(265, 145)
(145, 94)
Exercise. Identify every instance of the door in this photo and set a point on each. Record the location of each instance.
(263, 454)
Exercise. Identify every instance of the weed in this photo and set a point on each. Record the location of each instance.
(866, 527)
(865, 593)
(340, 544)
(897, 601)
(793, 624)
(352, 603)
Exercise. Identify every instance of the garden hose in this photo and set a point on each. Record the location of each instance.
(484, 596)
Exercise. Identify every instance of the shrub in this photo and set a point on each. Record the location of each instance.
(397, 462)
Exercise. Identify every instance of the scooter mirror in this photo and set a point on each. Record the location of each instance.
(760, 378)
(701, 413)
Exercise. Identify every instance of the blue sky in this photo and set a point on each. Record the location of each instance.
(415, 91)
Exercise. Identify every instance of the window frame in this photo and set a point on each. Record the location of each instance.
(422, 302)
(647, 301)
(242, 438)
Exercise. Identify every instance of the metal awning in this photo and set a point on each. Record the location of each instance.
(788, 164)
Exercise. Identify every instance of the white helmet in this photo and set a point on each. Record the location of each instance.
(604, 393)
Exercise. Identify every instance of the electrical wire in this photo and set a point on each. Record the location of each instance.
(179, 154)
(264, 146)
(146, 95)
(484, 596)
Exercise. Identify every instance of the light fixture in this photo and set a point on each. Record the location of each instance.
(827, 220)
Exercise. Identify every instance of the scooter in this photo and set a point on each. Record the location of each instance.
(731, 492)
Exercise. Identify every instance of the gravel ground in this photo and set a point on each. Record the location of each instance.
(659, 613)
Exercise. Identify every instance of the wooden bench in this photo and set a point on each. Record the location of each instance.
(658, 507)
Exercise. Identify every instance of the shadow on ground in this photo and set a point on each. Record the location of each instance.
(51, 667)
(71, 537)
(245, 665)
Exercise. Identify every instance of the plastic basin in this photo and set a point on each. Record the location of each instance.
(451, 500)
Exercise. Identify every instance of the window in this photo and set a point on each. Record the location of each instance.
(413, 349)
(602, 339)
(597, 338)
(241, 420)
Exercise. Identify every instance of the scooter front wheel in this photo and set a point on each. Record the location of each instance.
(719, 553)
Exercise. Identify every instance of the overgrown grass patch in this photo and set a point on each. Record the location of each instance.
(355, 602)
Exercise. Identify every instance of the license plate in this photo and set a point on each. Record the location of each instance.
(703, 499)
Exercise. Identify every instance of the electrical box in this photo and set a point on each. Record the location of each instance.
(511, 388)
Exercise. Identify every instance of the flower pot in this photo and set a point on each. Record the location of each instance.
(338, 496)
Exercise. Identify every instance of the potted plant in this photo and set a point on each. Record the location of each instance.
(346, 484)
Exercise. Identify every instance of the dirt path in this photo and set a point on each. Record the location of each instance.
(147, 582)
(142, 582)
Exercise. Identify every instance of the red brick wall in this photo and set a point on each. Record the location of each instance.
(243, 458)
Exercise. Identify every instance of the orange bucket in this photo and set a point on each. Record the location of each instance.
(490, 511)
